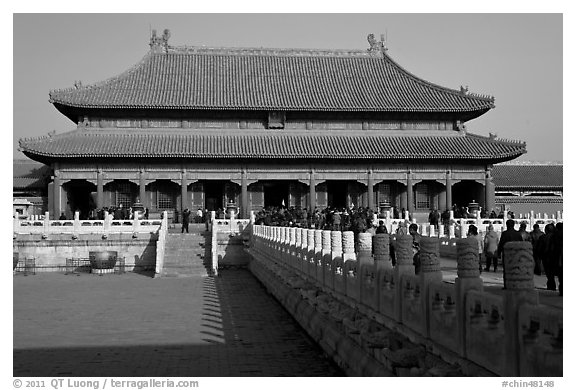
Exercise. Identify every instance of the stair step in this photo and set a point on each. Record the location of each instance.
(185, 253)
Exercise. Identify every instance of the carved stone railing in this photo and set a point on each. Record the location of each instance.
(458, 227)
(501, 332)
(76, 226)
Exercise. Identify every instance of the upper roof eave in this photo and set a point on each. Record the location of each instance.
(84, 96)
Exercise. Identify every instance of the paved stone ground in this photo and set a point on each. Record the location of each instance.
(133, 325)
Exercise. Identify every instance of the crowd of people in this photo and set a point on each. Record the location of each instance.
(331, 218)
(546, 248)
(547, 245)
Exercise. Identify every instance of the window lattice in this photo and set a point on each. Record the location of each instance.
(385, 193)
(422, 196)
(165, 199)
(123, 195)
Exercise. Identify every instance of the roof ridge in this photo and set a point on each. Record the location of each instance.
(532, 163)
(267, 51)
(78, 84)
(462, 92)
(506, 140)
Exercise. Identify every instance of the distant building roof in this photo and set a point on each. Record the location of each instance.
(271, 79)
(262, 144)
(29, 175)
(528, 176)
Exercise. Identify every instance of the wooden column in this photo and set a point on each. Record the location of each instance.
(410, 194)
(370, 190)
(142, 187)
(489, 192)
(184, 200)
(312, 204)
(244, 196)
(448, 190)
(99, 189)
(57, 195)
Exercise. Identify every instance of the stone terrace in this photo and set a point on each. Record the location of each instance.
(133, 325)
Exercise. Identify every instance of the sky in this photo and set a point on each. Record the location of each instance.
(517, 58)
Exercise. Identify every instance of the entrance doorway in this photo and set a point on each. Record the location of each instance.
(214, 194)
(337, 193)
(276, 193)
(80, 194)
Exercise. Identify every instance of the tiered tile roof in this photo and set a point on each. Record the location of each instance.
(271, 79)
(162, 143)
(29, 175)
(528, 176)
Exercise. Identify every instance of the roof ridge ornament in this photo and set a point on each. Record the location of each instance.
(377, 47)
(159, 44)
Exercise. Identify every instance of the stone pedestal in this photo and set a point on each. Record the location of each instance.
(292, 247)
(404, 266)
(381, 245)
(311, 252)
(519, 268)
(326, 253)
(336, 256)
(348, 245)
(317, 272)
(468, 279)
(364, 255)
(429, 273)
(303, 250)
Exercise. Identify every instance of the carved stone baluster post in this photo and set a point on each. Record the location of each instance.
(404, 266)
(381, 245)
(429, 273)
(317, 272)
(468, 279)
(326, 255)
(348, 246)
(364, 249)
(284, 243)
(292, 247)
(519, 269)
(298, 250)
(364, 260)
(310, 254)
(335, 258)
(303, 251)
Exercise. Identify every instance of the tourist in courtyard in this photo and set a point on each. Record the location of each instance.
(491, 248)
(559, 253)
(433, 218)
(550, 253)
(510, 234)
(381, 229)
(522, 230)
(535, 235)
(401, 229)
(336, 219)
(413, 231)
(185, 220)
(473, 232)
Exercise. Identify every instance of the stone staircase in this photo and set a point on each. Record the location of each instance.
(187, 254)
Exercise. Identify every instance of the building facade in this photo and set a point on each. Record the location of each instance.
(199, 127)
(529, 186)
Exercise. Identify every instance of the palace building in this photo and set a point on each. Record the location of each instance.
(199, 127)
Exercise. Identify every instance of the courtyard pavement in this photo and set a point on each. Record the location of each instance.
(134, 325)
